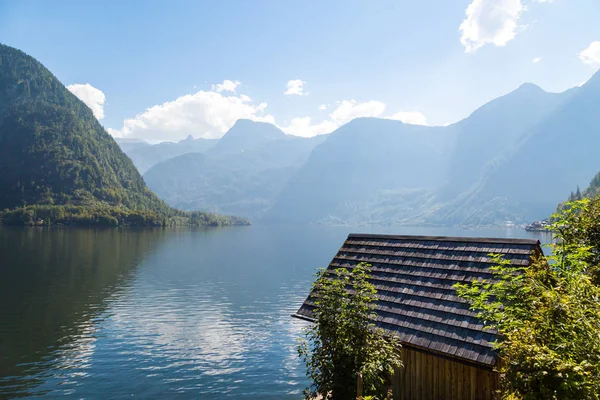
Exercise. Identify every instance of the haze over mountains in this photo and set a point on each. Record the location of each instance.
(515, 158)
(59, 165)
(242, 173)
(144, 155)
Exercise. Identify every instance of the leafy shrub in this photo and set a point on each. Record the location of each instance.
(344, 342)
(548, 314)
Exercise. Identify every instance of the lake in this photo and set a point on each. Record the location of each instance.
(163, 313)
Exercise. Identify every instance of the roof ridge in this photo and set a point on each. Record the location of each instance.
(448, 238)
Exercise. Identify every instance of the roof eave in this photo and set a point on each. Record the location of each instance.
(425, 349)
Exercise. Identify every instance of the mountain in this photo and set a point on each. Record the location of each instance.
(594, 188)
(129, 144)
(366, 171)
(54, 152)
(492, 130)
(145, 156)
(244, 135)
(242, 176)
(512, 159)
(554, 156)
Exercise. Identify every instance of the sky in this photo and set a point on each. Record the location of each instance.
(163, 70)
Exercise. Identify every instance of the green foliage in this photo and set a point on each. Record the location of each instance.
(55, 155)
(52, 148)
(578, 227)
(548, 314)
(594, 188)
(575, 196)
(344, 342)
(106, 215)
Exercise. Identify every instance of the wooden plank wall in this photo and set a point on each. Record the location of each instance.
(428, 377)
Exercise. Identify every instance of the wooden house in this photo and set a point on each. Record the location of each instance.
(447, 353)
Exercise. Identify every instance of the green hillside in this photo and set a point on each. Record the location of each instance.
(58, 164)
(594, 189)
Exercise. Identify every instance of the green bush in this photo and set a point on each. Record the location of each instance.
(343, 341)
(548, 315)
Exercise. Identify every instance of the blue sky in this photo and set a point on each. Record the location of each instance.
(151, 69)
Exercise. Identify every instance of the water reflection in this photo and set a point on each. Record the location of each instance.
(53, 290)
(217, 320)
(180, 313)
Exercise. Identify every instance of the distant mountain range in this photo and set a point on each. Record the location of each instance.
(515, 158)
(58, 164)
(545, 162)
(242, 174)
(145, 156)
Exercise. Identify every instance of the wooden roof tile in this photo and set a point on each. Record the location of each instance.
(414, 277)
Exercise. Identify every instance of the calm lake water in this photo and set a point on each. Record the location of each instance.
(162, 313)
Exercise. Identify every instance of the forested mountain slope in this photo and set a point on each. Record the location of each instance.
(53, 151)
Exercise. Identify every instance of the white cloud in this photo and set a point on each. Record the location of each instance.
(209, 114)
(591, 55)
(92, 97)
(296, 87)
(346, 111)
(226, 86)
(114, 132)
(537, 60)
(202, 114)
(323, 107)
(490, 21)
(303, 126)
(410, 117)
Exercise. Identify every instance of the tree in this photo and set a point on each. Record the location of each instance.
(54, 152)
(578, 227)
(548, 314)
(343, 341)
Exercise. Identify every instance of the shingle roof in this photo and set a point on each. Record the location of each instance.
(414, 276)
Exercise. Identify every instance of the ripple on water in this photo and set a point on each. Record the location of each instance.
(166, 314)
